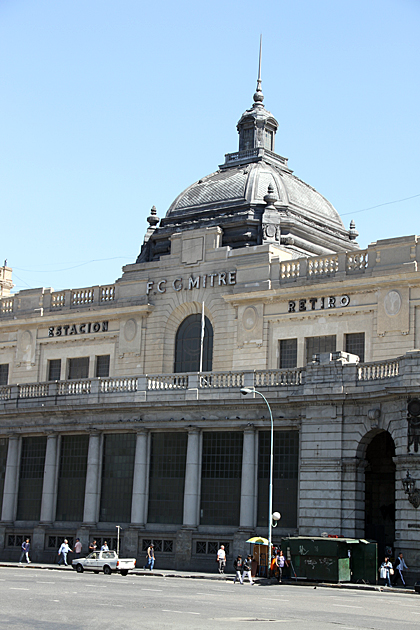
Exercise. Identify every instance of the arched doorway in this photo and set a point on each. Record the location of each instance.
(188, 345)
(380, 491)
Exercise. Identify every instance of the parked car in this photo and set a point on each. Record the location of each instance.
(106, 561)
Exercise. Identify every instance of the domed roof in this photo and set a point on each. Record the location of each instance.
(248, 184)
(254, 198)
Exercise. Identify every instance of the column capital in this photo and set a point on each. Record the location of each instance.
(193, 429)
(249, 428)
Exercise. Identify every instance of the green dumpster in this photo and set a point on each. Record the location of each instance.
(331, 559)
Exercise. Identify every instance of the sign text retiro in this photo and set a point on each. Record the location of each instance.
(314, 304)
(219, 279)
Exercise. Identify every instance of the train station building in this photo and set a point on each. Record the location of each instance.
(114, 412)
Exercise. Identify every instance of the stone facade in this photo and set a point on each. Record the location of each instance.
(90, 376)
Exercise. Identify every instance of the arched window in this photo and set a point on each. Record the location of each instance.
(188, 345)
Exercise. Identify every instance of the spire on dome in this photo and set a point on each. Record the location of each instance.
(259, 96)
(257, 127)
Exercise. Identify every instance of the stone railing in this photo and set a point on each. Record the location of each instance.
(82, 297)
(167, 381)
(279, 378)
(6, 305)
(346, 263)
(51, 392)
(116, 384)
(74, 388)
(378, 371)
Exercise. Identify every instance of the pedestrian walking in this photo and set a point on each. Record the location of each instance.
(63, 551)
(92, 546)
(105, 546)
(246, 570)
(26, 546)
(238, 565)
(386, 571)
(77, 548)
(400, 567)
(150, 557)
(221, 558)
(280, 560)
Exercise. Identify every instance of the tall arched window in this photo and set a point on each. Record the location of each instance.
(188, 345)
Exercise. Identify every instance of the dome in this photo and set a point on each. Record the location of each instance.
(248, 184)
(255, 199)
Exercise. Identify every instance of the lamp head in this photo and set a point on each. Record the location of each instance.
(246, 390)
(276, 516)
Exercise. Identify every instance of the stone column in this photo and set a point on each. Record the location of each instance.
(50, 478)
(138, 504)
(90, 514)
(11, 481)
(192, 479)
(247, 515)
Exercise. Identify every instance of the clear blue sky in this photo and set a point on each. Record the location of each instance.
(110, 107)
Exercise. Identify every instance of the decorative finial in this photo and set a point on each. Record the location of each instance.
(270, 198)
(259, 96)
(153, 219)
(353, 233)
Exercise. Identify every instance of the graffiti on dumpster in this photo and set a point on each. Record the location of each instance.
(325, 562)
(302, 550)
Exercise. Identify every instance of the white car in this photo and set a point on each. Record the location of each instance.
(106, 561)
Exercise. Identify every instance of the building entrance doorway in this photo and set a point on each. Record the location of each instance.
(380, 492)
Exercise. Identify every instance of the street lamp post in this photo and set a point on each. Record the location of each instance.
(251, 390)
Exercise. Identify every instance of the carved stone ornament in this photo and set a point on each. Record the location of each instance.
(414, 498)
(413, 419)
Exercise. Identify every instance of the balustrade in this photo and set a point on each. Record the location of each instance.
(217, 380)
(290, 269)
(322, 265)
(6, 305)
(277, 378)
(33, 390)
(82, 296)
(111, 385)
(58, 299)
(167, 381)
(378, 371)
(356, 261)
(74, 388)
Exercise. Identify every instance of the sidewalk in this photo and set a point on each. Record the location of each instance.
(166, 573)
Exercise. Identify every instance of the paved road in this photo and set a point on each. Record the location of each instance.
(47, 600)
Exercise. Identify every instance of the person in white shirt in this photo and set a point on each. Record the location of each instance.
(77, 548)
(221, 558)
(63, 551)
(105, 546)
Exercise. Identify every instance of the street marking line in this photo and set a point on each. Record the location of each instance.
(155, 590)
(45, 582)
(346, 606)
(181, 612)
(18, 588)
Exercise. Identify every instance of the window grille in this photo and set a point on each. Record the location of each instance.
(288, 353)
(355, 344)
(167, 477)
(316, 345)
(72, 477)
(117, 477)
(4, 373)
(78, 368)
(221, 477)
(102, 366)
(54, 370)
(31, 478)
